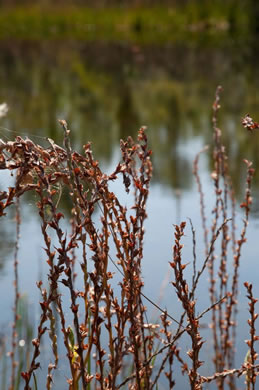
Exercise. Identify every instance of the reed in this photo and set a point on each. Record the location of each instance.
(109, 342)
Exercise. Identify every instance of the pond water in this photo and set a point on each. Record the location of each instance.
(106, 92)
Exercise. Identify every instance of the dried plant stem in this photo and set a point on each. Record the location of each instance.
(16, 295)
(110, 330)
(234, 287)
(226, 373)
(252, 355)
(202, 203)
(206, 261)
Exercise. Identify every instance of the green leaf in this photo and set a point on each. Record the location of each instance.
(71, 337)
(35, 381)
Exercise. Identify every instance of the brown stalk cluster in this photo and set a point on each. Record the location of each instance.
(188, 303)
(109, 342)
(251, 355)
(224, 275)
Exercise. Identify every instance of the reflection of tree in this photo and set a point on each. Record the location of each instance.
(167, 130)
(127, 115)
(94, 114)
(171, 167)
(253, 10)
(7, 233)
(170, 91)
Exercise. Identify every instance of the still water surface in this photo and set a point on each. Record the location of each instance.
(106, 92)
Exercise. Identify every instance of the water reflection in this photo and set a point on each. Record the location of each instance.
(107, 91)
(7, 225)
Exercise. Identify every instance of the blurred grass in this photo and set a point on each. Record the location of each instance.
(24, 329)
(143, 25)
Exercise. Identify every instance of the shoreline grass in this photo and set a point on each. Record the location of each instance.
(140, 24)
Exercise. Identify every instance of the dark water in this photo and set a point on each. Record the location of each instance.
(106, 92)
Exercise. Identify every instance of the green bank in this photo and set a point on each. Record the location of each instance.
(207, 21)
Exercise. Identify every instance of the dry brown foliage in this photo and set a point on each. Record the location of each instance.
(111, 328)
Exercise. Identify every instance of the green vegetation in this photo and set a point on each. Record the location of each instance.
(192, 21)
